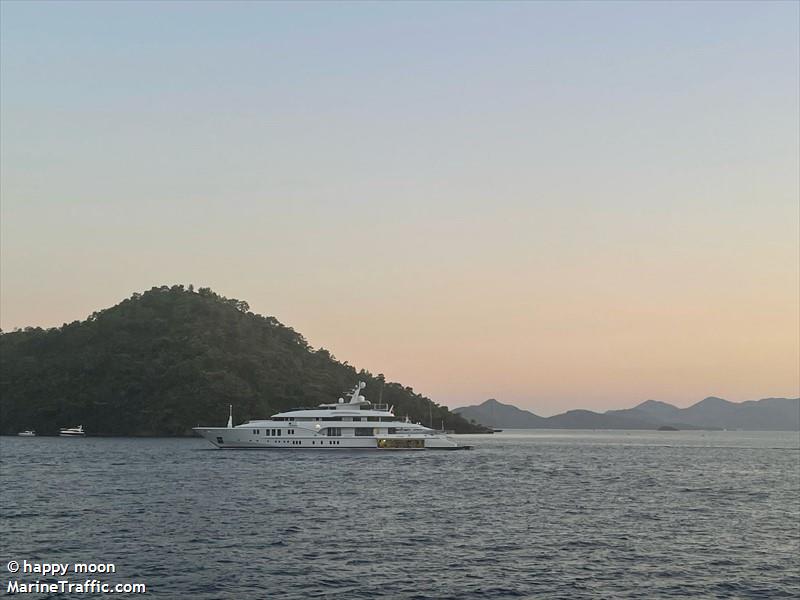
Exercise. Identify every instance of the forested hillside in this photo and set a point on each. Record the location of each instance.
(171, 358)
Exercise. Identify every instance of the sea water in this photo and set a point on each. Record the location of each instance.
(539, 514)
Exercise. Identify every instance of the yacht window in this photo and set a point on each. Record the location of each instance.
(356, 418)
(219, 440)
(392, 430)
(279, 431)
(363, 431)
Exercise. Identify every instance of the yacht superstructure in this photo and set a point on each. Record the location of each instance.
(355, 424)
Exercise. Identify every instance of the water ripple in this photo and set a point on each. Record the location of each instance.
(529, 515)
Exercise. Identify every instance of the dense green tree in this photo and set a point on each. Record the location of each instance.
(171, 358)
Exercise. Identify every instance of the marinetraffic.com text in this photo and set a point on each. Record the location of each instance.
(54, 570)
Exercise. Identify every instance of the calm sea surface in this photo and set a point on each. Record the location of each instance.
(538, 514)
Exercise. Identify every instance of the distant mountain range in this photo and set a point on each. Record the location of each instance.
(768, 414)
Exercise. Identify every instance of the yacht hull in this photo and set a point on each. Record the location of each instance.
(237, 438)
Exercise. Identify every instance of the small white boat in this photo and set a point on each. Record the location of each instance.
(27, 433)
(72, 432)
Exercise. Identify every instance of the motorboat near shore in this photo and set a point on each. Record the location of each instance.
(355, 424)
(72, 432)
(27, 433)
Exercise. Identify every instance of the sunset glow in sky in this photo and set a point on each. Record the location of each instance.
(557, 205)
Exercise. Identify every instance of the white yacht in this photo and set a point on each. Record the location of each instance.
(27, 433)
(356, 424)
(72, 432)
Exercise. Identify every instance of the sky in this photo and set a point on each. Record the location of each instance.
(556, 205)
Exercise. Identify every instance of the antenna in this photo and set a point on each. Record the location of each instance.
(230, 416)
